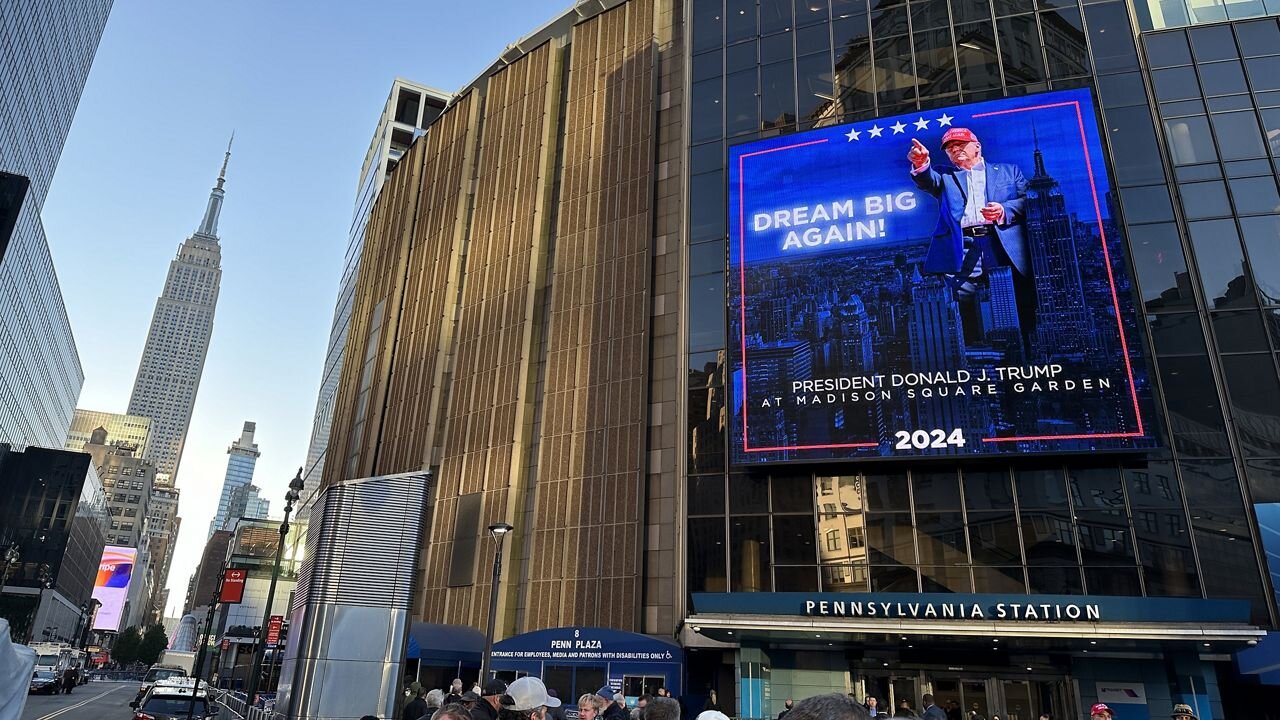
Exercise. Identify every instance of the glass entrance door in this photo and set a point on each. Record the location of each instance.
(1017, 701)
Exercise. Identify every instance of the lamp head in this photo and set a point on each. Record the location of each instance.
(296, 483)
(498, 530)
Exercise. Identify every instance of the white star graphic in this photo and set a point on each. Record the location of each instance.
(898, 127)
(921, 124)
(875, 131)
(945, 120)
(853, 134)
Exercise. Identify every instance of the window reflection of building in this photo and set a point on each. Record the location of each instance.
(842, 550)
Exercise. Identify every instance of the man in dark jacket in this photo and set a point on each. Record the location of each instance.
(490, 701)
(416, 709)
(612, 710)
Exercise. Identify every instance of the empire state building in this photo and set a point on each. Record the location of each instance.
(178, 342)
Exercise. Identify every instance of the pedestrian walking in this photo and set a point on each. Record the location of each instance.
(713, 702)
(416, 709)
(490, 699)
(870, 705)
(786, 708)
(590, 706)
(455, 692)
(526, 699)
(931, 711)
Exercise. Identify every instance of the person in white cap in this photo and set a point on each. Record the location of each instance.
(526, 699)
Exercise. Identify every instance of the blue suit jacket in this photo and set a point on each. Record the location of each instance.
(933, 712)
(1005, 185)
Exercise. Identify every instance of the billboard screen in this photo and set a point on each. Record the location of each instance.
(112, 586)
(950, 282)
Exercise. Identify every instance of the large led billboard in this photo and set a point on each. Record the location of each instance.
(950, 282)
(112, 585)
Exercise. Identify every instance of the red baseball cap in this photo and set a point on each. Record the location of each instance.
(958, 134)
(1100, 708)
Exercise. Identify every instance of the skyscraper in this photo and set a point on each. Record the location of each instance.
(46, 49)
(243, 456)
(178, 342)
(409, 108)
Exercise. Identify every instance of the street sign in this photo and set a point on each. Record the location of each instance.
(226, 643)
(233, 580)
(273, 630)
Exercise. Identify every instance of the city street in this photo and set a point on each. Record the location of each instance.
(105, 700)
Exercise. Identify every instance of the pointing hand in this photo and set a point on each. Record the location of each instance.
(918, 154)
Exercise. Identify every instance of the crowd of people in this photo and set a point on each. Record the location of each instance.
(527, 698)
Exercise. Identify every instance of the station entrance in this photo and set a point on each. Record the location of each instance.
(968, 695)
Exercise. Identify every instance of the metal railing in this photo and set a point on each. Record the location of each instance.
(237, 702)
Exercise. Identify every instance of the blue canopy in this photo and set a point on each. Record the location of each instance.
(436, 644)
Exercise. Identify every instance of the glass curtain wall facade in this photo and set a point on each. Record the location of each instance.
(46, 50)
(1192, 119)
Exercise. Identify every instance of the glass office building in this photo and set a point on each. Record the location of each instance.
(1192, 127)
(501, 327)
(46, 50)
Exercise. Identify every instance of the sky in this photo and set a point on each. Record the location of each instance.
(302, 85)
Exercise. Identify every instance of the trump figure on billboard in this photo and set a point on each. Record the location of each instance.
(942, 283)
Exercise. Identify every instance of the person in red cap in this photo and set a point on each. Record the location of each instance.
(1100, 712)
(980, 226)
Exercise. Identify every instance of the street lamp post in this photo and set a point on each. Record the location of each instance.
(295, 492)
(46, 581)
(499, 532)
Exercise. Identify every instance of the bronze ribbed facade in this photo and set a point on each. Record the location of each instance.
(501, 335)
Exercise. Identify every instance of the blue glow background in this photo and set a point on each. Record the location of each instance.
(839, 169)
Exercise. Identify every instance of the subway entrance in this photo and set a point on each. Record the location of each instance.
(966, 695)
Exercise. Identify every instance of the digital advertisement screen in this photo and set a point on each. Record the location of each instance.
(950, 282)
(112, 585)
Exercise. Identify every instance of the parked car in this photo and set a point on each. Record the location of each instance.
(44, 682)
(170, 699)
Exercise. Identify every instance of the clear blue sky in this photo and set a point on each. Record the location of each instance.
(302, 85)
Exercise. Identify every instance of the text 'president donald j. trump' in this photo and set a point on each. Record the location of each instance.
(980, 225)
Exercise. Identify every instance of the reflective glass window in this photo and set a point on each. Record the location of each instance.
(740, 57)
(890, 538)
(1113, 581)
(707, 65)
(1168, 564)
(706, 495)
(1195, 415)
(792, 493)
(1248, 168)
(976, 56)
(843, 8)
(740, 20)
(1229, 103)
(777, 48)
(1179, 83)
(1064, 43)
(999, 580)
(1177, 334)
(941, 538)
(1110, 37)
(1222, 272)
(936, 491)
(793, 537)
(1223, 78)
(708, 25)
(1161, 267)
(813, 73)
(1180, 108)
(1262, 238)
(887, 491)
(1146, 204)
(1104, 537)
(1213, 43)
(1261, 37)
(706, 312)
(1255, 195)
(706, 436)
(894, 578)
(1020, 50)
(1211, 484)
(889, 18)
(895, 81)
(749, 554)
(1255, 401)
(1153, 486)
(1048, 537)
(945, 578)
(706, 157)
(1230, 569)
(1133, 142)
(1055, 580)
(707, 257)
(748, 494)
(742, 110)
(1264, 73)
(935, 62)
(929, 16)
(810, 12)
(1012, 7)
(1205, 200)
(1167, 49)
(706, 113)
(1239, 331)
(706, 555)
(706, 205)
(845, 578)
(1192, 173)
(1096, 488)
(1264, 480)
(993, 537)
(795, 579)
(1122, 90)
(1271, 124)
(1041, 489)
(775, 16)
(988, 490)
(1190, 140)
(964, 11)
(777, 95)
(1238, 135)
(813, 40)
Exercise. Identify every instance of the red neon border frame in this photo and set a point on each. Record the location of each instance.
(1106, 254)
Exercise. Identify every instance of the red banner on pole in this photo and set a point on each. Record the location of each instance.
(233, 585)
(226, 644)
(273, 630)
